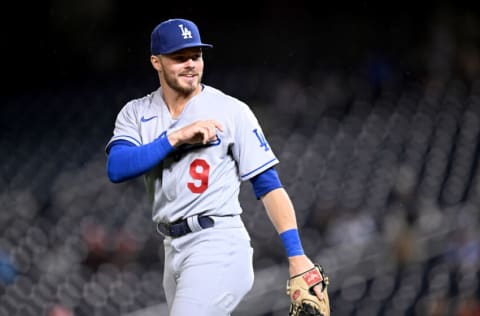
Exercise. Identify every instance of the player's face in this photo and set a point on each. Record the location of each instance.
(183, 70)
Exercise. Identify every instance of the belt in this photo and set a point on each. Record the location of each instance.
(185, 226)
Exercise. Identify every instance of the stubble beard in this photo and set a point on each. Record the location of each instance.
(185, 89)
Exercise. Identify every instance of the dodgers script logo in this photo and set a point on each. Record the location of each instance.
(312, 277)
(186, 33)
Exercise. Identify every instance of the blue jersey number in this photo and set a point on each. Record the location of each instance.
(261, 139)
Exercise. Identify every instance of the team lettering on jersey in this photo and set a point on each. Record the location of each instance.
(261, 139)
(182, 150)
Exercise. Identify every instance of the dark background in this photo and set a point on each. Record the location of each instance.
(47, 44)
(373, 109)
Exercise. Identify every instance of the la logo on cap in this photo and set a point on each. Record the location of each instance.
(173, 35)
(186, 33)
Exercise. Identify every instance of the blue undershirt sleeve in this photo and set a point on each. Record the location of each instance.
(126, 160)
(265, 182)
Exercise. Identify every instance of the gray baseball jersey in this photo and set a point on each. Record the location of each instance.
(197, 179)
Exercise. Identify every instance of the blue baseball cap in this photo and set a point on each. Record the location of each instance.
(173, 35)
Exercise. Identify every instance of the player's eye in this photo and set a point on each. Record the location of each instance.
(184, 58)
(180, 59)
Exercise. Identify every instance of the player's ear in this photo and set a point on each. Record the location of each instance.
(155, 60)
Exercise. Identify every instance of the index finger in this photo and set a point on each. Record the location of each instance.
(218, 125)
(318, 291)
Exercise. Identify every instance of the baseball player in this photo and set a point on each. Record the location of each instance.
(194, 145)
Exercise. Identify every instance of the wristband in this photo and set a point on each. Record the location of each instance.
(291, 242)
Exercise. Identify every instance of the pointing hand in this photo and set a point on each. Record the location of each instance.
(197, 132)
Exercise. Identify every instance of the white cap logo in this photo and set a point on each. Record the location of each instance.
(186, 33)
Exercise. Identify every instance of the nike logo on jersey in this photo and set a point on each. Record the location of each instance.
(146, 119)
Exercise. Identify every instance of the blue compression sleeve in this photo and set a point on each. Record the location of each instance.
(127, 161)
(291, 242)
(265, 182)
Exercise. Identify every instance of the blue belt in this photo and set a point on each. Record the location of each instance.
(185, 226)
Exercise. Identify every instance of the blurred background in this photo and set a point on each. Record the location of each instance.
(373, 111)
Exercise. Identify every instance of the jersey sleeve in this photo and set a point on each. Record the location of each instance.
(251, 149)
(126, 126)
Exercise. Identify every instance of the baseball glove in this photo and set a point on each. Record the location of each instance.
(303, 300)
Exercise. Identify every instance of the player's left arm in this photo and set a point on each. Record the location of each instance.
(281, 213)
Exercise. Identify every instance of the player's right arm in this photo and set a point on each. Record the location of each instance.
(127, 160)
